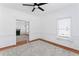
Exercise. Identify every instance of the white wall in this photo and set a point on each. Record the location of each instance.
(8, 18)
(49, 25)
(40, 27)
(7, 28)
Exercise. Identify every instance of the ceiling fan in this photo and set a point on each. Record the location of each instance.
(35, 6)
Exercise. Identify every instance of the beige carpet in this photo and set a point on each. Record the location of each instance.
(37, 48)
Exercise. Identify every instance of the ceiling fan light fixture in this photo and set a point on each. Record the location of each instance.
(36, 7)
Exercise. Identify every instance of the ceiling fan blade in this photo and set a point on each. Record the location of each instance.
(41, 8)
(33, 9)
(35, 4)
(27, 5)
(41, 4)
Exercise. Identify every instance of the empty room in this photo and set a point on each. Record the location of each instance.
(39, 29)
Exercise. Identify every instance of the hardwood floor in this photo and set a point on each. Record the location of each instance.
(22, 42)
(58, 45)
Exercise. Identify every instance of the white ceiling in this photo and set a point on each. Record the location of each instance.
(50, 7)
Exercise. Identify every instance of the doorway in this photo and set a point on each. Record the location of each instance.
(22, 31)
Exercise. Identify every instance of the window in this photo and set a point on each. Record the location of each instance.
(64, 27)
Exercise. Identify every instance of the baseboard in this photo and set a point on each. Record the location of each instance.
(52, 43)
(58, 45)
(19, 43)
